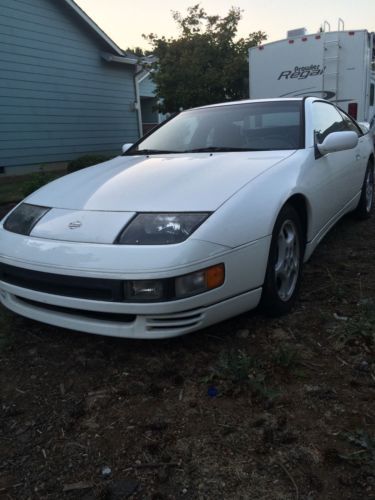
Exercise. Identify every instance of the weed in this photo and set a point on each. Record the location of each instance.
(237, 368)
(361, 439)
(286, 357)
(361, 327)
(364, 323)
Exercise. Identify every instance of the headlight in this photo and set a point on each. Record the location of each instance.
(160, 229)
(23, 219)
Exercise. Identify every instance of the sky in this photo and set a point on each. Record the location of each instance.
(124, 21)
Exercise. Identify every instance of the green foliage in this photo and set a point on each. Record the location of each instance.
(86, 161)
(205, 64)
(138, 51)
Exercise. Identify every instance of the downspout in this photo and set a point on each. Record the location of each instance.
(138, 102)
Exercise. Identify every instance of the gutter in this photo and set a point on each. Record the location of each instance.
(118, 59)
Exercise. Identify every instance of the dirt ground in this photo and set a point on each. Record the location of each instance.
(253, 408)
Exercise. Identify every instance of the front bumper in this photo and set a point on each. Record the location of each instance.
(244, 267)
(137, 326)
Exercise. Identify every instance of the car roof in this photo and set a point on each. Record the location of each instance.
(249, 101)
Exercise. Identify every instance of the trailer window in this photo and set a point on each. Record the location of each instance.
(372, 91)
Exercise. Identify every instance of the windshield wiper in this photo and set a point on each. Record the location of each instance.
(149, 152)
(217, 149)
(209, 149)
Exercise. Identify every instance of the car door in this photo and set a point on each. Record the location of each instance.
(332, 187)
(361, 153)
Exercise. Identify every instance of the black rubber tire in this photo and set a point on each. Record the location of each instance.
(363, 210)
(271, 303)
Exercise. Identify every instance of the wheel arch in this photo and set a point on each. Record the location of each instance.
(300, 204)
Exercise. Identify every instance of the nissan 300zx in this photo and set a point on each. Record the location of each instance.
(208, 216)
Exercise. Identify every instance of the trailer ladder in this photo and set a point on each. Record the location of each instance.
(331, 59)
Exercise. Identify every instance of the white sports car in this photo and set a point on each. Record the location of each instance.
(206, 217)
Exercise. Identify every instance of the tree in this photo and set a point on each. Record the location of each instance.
(137, 51)
(205, 64)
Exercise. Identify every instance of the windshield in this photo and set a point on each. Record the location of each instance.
(258, 126)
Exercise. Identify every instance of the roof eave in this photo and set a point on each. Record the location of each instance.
(95, 27)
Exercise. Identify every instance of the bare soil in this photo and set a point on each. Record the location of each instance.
(253, 408)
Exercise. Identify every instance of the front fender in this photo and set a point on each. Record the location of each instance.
(250, 214)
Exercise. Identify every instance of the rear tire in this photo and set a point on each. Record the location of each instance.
(366, 201)
(284, 267)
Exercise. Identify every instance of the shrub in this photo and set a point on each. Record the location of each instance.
(36, 181)
(86, 161)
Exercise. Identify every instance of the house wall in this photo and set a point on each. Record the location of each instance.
(58, 98)
(149, 114)
(147, 87)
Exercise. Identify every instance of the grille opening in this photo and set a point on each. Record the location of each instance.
(176, 318)
(68, 286)
(170, 327)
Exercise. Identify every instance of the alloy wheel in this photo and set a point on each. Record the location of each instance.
(287, 264)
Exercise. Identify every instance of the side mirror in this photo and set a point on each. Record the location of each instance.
(126, 147)
(365, 127)
(338, 141)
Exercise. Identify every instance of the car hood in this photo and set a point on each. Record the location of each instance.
(162, 183)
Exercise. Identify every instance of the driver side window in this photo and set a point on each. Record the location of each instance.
(326, 119)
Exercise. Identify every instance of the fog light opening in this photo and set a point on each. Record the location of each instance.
(145, 290)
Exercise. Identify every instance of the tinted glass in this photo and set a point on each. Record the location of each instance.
(326, 119)
(372, 88)
(249, 126)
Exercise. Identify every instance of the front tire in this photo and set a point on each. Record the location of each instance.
(284, 267)
(366, 201)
